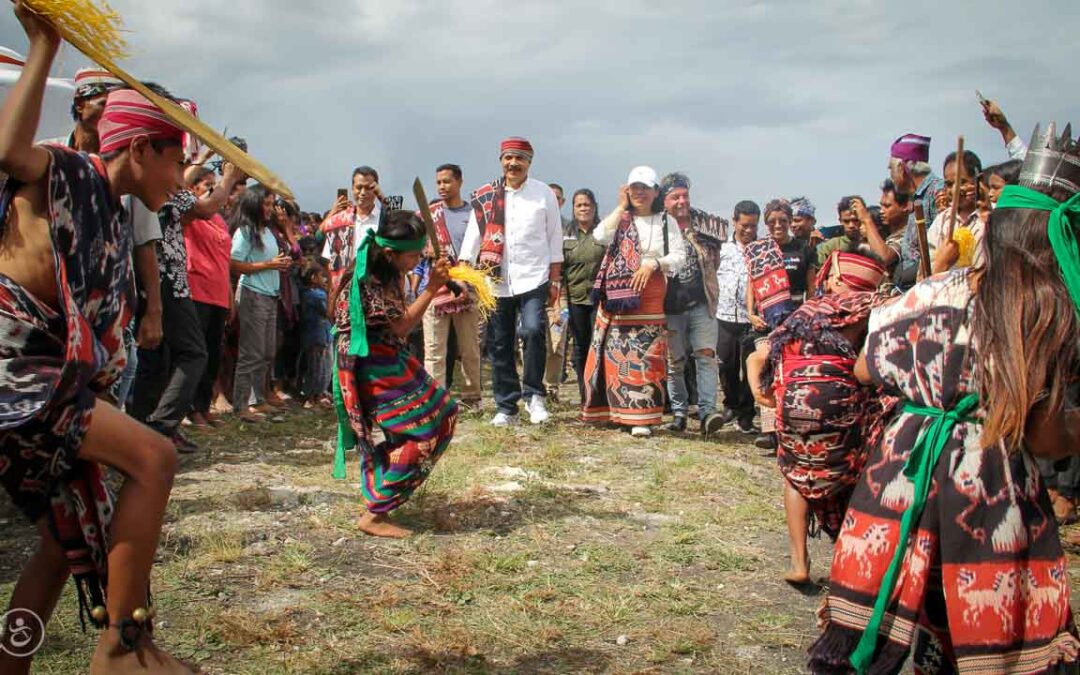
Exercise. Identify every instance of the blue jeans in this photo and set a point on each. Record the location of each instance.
(127, 378)
(530, 308)
(694, 331)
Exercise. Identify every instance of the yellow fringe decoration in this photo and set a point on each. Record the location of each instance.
(93, 25)
(481, 282)
(965, 241)
(93, 28)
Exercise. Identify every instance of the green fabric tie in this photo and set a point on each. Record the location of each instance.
(358, 343)
(918, 469)
(1063, 217)
(346, 438)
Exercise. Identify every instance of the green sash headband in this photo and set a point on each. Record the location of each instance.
(358, 344)
(1059, 228)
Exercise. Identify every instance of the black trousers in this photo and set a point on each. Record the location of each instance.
(212, 324)
(167, 377)
(732, 348)
(582, 319)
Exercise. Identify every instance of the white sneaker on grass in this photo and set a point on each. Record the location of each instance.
(503, 419)
(640, 432)
(538, 413)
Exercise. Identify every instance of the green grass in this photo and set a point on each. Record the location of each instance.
(611, 555)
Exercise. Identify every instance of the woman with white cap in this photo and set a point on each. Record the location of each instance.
(626, 368)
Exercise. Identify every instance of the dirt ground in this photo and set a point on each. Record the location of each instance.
(554, 549)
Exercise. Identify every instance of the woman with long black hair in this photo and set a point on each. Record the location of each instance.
(582, 255)
(377, 381)
(255, 257)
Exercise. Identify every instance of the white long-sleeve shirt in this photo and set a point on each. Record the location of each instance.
(533, 231)
(651, 234)
(935, 235)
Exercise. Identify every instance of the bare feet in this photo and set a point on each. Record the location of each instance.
(1064, 510)
(799, 573)
(111, 659)
(378, 525)
(199, 420)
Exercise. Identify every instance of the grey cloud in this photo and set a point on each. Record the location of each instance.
(753, 99)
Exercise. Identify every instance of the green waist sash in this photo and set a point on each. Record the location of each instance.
(918, 469)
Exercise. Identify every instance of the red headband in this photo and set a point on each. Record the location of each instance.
(129, 114)
(516, 144)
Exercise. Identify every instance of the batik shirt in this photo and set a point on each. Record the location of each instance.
(731, 277)
(171, 249)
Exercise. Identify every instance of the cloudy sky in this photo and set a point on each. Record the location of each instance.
(751, 99)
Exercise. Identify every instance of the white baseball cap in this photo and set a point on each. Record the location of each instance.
(645, 175)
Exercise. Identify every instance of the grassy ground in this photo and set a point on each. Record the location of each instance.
(558, 549)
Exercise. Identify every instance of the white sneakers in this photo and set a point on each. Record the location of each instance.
(502, 419)
(640, 432)
(538, 414)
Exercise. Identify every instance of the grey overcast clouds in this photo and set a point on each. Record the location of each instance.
(751, 99)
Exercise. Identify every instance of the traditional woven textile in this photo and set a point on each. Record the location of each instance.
(489, 205)
(53, 364)
(612, 289)
(390, 389)
(769, 280)
(983, 586)
(626, 367)
(821, 409)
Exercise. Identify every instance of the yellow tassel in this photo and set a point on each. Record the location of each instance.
(965, 241)
(481, 282)
(92, 24)
(94, 29)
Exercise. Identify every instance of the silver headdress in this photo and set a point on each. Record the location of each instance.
(1052, 161)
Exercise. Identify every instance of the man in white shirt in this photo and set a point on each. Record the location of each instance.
(516, 230)
(347, 224)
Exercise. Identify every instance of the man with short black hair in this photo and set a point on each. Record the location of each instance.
(515, 230)
(450, 317)
(851, 241)
(888, 245)
(733, 322)
(65, 271)
(348, 223)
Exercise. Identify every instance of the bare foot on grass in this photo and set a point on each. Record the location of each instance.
(378, 525)
(111, 659)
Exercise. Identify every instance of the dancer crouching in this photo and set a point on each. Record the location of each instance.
(378, 382)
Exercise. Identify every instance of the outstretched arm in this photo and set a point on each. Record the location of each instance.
(19, 117)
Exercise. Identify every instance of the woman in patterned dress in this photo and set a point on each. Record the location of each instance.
(949, 547)
(378, 382)
(626, 368)
(805, 370)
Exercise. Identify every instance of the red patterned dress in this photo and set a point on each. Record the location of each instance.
(984, 585)
(822, 412)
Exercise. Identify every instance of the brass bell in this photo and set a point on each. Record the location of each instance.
(151, 612)
(99, 614)
(139, 615)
